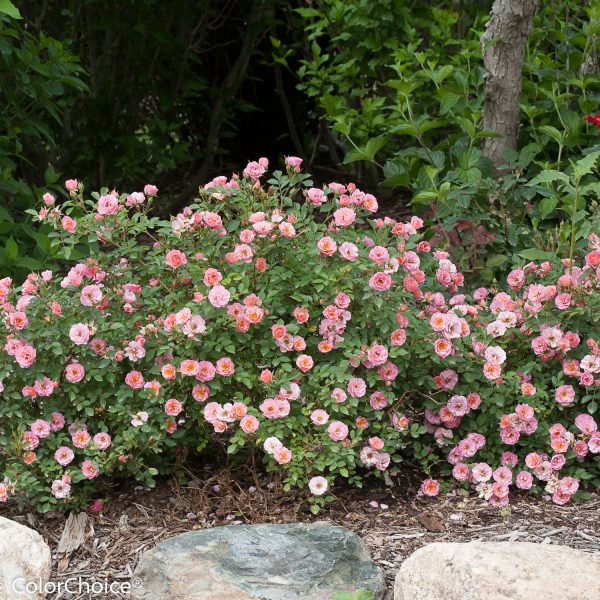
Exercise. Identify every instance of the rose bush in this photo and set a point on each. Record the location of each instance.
(279, 316)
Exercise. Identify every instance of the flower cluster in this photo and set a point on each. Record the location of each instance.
(593, 119)
(276, 315)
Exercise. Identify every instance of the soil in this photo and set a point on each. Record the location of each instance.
(392, 521)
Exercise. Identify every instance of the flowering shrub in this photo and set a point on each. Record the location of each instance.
(279, 316)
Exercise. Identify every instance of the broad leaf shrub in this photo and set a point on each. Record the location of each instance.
(401, 85)
(40, 81)
(277, 315)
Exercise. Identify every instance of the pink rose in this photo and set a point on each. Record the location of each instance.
(74, 372)
(337, 431)
(461, 472)
(349, 251)
(212, 277)
(562, 301)
(225, 367)
(377, 355)
(586, 424)
(91, 295)
(381, 281)
(249, 424)
(430, 487)
(282, 455)
(25, 356)
(255, 170)
(565, 395)
(219, 296)
(492, 370)
(206, 371)
(81, 438)
(134, 380)
(316, 196)
(173, 407)
(305, 363)
(379, 255)
(79, 334)
(294, 163)
(318, 485)
(102, 440)
(339, 395)
(64, 455)
(524, 480)
(68, 224)
(560, 497)
(319, 417)
(516, 279)
(175, 258)
(108, 205)
(327, 246)
(378, 400)
(89, 469)
(357, 387)
(344, 217)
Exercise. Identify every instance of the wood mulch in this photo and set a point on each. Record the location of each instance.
(391, 520)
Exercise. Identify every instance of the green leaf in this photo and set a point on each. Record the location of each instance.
(5, 215)
(8, 8)
(11, 248)
(396, 175)
(448, 102)
(27, 262)
(495, 260)
(467, 126)
(368, 152)
(440, 74)
(425, 196)
(50, 176)
(554, 133)
(585, 165)
(547, 206)
(537, 254)
(548, 176)
(359, 595)
(486, 133)
(528, 153)
(592, 187)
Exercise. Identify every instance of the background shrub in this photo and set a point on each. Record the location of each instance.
(39, 80)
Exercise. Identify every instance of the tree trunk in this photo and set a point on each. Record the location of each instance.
(503, 45)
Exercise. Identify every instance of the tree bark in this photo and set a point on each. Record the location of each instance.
(503, 44)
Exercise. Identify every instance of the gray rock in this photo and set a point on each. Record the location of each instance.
(498, 571)
(301, 561)
(24, 559)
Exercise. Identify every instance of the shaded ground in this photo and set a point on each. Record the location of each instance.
(136, 519)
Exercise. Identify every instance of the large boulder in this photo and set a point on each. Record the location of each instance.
(24, 559)
(498, 571)
(250, 562)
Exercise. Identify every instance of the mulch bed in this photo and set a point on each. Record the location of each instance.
(136, 519)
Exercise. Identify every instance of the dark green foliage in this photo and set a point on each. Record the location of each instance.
(165, 81)
(39, 80)
(401, 85)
